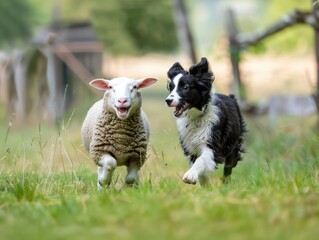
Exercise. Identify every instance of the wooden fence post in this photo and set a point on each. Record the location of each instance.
(183, 29)
(315, 9)
(234, 52)
(240, 41)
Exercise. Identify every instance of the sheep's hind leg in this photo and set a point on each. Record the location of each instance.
(132, 178)
(105, 170)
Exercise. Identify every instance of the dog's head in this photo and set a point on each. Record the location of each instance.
(189, 89)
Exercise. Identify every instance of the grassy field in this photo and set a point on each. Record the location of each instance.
(48, 185)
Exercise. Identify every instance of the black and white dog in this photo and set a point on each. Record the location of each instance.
(210, 125)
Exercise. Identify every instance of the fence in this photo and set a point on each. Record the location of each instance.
(238, 42)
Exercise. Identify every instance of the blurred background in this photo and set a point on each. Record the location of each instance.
(266, 52)
(50, 50)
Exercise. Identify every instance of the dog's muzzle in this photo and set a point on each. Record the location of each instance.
(169, 101)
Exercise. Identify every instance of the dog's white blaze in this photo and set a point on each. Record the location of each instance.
(174, 95)
(195, 129)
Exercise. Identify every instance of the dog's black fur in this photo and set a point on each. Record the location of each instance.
(194, 89)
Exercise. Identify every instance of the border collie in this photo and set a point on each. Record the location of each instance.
(210, 125)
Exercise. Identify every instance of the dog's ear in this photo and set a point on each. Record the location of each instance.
(204, 76)
(174, 70)
(201, 68)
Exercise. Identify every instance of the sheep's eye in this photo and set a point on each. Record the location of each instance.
(110, 88)
(134, 87)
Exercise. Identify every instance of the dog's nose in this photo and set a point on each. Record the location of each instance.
(168, 101)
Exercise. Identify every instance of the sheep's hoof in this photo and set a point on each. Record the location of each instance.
(99, 186)
(132, 178)
(132, 182)
(132, 185)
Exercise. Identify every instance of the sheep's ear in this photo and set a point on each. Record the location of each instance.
(145, 82)
(99, 83)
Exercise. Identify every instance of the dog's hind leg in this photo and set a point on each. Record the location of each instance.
(227, 173)
(230, 163)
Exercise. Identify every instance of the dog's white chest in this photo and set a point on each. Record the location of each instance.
(195, 131)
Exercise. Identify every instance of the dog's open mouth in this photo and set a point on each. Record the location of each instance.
(123, 111)
(180, 108)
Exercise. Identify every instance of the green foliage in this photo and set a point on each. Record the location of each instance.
(15, 21)
(75, 10)
(126, 27)
(258, 48)
(42, 11)
(18, 19)
(135, 27)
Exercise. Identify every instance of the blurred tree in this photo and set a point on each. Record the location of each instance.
(18, 18)
(124, 26)
(15, 22)
(74, 10)
(41, 11)
(135, 27)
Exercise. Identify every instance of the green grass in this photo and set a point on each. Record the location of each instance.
(48, 186)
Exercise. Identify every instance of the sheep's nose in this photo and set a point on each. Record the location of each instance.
(168, 101)
(122, 100)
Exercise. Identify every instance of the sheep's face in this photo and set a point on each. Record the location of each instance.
(122, 94)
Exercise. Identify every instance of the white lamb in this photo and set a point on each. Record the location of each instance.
(116, 131)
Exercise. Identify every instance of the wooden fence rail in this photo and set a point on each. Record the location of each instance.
(241, 41)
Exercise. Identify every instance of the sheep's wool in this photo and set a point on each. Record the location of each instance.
(125, 140)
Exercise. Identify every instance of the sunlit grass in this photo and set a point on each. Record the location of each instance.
(48, 185)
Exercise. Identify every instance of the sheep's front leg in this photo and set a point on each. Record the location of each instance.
(201, 167)
(132, 174)
(105, 170)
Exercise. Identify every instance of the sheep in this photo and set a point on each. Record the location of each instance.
(115, 130)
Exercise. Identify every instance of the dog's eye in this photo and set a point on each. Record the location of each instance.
(185, 87)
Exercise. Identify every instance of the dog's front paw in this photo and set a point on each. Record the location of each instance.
(190, 177)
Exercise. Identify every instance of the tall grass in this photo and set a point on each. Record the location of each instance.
(48, 186)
